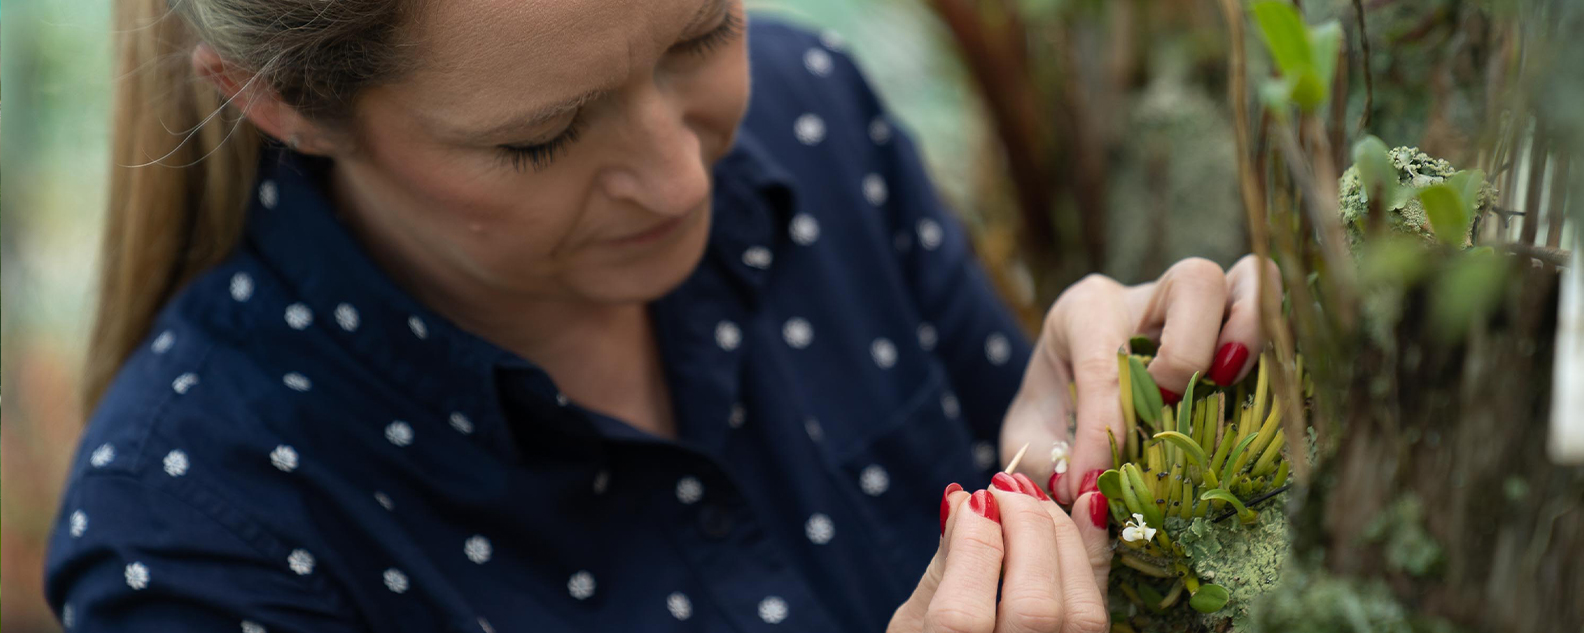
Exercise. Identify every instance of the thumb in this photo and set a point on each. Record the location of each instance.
(1038, 418)
(1092, 514)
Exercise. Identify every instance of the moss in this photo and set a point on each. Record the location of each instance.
(1415, 170)
(1408, 546)
(1310, 601)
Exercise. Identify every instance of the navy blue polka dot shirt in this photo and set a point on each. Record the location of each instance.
(299, 445)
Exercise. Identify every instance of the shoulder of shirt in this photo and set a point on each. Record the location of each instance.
(194, 380)
(796, 70)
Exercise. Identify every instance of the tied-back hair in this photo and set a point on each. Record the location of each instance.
(184, 156)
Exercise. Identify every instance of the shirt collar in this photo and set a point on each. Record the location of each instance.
(294, 229)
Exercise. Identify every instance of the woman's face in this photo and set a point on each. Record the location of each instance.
(551, 149)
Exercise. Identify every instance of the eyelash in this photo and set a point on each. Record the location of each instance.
(540, 155)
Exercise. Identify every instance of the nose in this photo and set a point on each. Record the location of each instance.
(663, 170)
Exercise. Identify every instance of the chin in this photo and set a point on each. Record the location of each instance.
(653, 276)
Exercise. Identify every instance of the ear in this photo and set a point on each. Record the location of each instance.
(260, 104)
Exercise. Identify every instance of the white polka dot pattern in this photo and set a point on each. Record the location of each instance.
(298, 316)
(873, 480)
(269, 194)
(137, 576)
(399, 433)
(395, 580)
(927, 336)
(478, 549)
(809, 129)
(689, 490)
(678, 604)
(814, 430)
(884, 352)
(346, 316)
(797, 332)
(79, 523)
(301, 562)
(175, 463)
(418, 327)
(241, 287)
(284, 457)
(297, 381)
(818, 62)
(163, 342)
(461, 423)
(727, 336)
(758, 257)
(249, 626)
(819, 529)
(879, 130)
(832, 40)
(998, 350)
(773, 610)
(984, 455)
(804, 229)
(384, 500)
(874, 189)
(930, 234)
(581, 585)
(184, 382)
(950, 406)
(102, 456)
(738, 416)
(601, 482)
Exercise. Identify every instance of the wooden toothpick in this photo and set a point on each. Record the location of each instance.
(1016, 458)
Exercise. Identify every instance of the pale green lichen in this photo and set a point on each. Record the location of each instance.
(1245, 559)
(1415, 170)
(1308, 601)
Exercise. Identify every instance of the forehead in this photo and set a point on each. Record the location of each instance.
(494, 49)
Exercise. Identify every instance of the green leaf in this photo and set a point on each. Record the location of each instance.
(1190, 448)
(1185, 407)
(1111, 484)
(1277, 95)
(1146, 498)
(1467, 183)
(1466, 292)
(1285, 36)
(1445, 208)
(1209, 598)
(1152, 598)
(1231, 462)
(1376, 174)
(1325, 40)
(1146, 396)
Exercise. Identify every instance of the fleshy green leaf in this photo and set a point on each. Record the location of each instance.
(1231, 462)
(1376, 174)
(1146, 396)
(1325, 40)
(1209, 598)
(1110, 483)
(1185, 407)
(1444, 206)
(1190, 448)
(1285, 36)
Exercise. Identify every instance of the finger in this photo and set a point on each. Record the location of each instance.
(1242, 335)
(1031, 597)
(965, 598)
(1186, 304)
(1090, 336)
(1091, 515)
(910, 616)
(1040, 414)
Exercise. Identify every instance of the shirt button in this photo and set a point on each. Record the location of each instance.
(715, 521)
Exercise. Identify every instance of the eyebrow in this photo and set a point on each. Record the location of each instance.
(548, 112)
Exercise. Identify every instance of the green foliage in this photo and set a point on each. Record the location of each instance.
(1401, 531)
(1305, 55)
(1209, 598)
(1466, 291)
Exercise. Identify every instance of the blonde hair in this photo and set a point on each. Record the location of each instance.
(184, 157)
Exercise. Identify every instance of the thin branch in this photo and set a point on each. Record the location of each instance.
(1369, 77)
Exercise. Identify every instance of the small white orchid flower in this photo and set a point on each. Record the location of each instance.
(1136, 530)
(1059, 453)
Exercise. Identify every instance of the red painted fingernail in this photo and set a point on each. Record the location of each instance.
(984, 504)
(946, 504)
(1228, 362)
(1027, 486)
(1097, 510)
(1090, 483)
(1055, 479)
(1171, 397)
(1005, 482)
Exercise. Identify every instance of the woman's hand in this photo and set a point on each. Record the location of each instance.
(1055, 566)
(1205, 320)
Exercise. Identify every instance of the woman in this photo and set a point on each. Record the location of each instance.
(530, 318)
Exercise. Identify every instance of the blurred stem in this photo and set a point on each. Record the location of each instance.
(1369, 77)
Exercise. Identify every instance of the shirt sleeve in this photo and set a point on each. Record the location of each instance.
(128, 556)
(974, 333)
